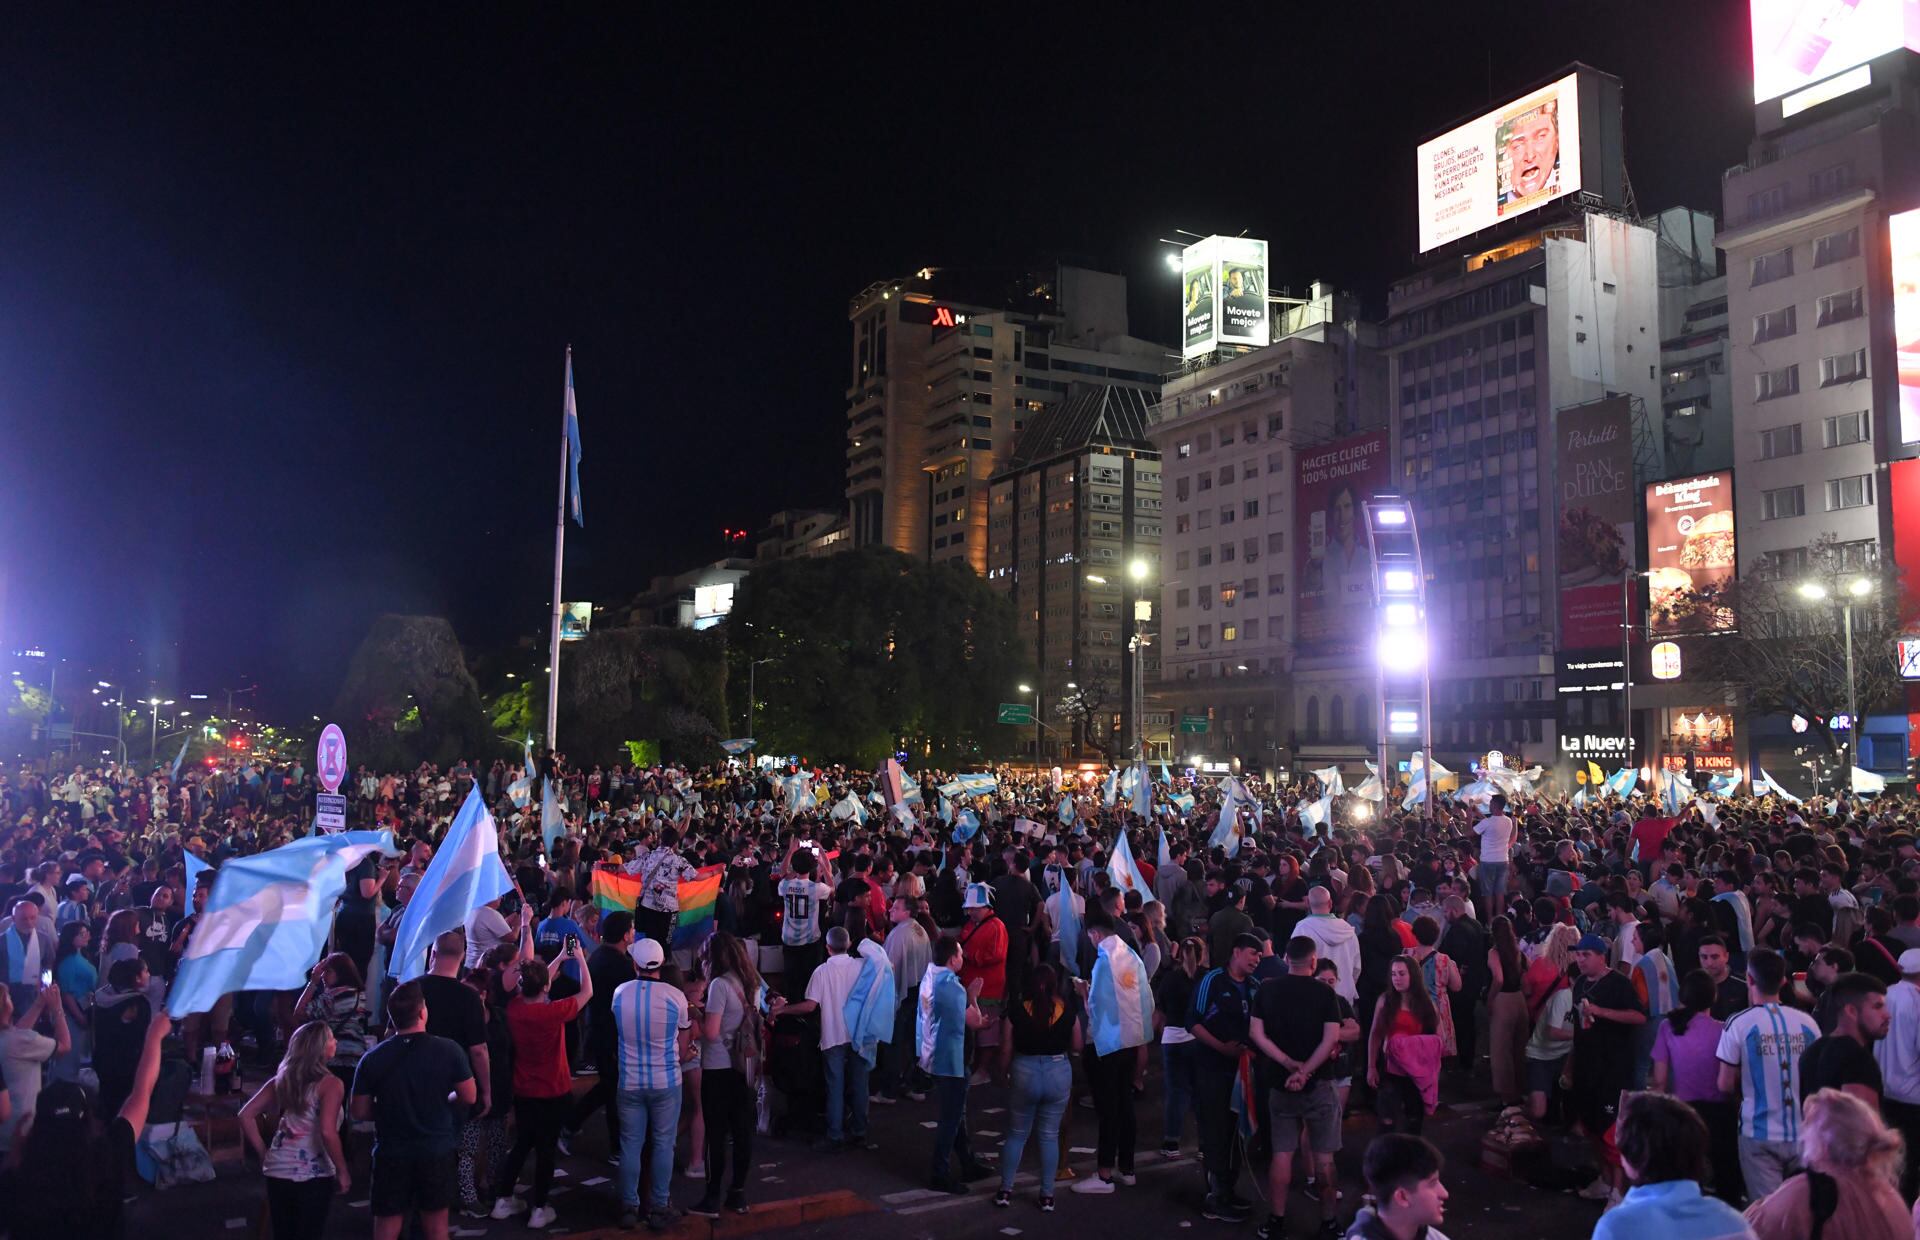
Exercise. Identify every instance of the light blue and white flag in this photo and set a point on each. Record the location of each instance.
(553, 823)
(1110, 790)
(268, 918)
(1166, 774)
(869, 1007)
(849, 806)
(1723, 785)
(977, 783)
(195, 868)
(1329, 777)
(1226, 832)
(799, 789)
(573, 449)
(464, 875)
(182, 756)
(1066, 920)
(1163, 856)
(966, 825)
(1622, 782)
(1580, 796)
(1183, 801)
(1867, 783)
(943, 809)
(521, 789)
(1768, 784)
(1674, 791)
(1066, 810)
(1119, 1001)
(1142, 792)
(1125, 873)
(1315, 813)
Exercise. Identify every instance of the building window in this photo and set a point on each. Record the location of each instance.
(1181, 487)
(1829, 181)
(1182, 522)
(1251, 587)
(1180, 561)
(1783, 502)
(1226, 515)
(1846, 428)
(1206, 518)
(1229, 632)
(1206, 637)
(1276, 583)
(1773, 325)
(1780, 441)
(1206, 557)
(1204, 443)
(1834, 247)
(1181, 598)
(1767, 202)
(1226, 553)
(1206, 481)
(1251, 508)
(1182, 637)
(1839, 307)
(1228, 592)
(1250, 550)
(1184, 451)
(1337, 718)
(1854, 492)
(1861, 553)
(1226, 474)
(1312, 729)
(1772, 384)
(1277, 542)
(1843, 368)
(1775, 266)
(1275, 462)
(1781, 564)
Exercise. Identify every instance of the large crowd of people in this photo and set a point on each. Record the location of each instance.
(1723, 1001)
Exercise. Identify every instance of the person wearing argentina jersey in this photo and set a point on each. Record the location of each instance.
(652, 1031)
(1759, 1054)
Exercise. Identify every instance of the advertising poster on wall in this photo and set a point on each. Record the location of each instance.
(1903, 236)
(1903, 485)
(1799, 42)
(1332, 565)
(1223, 294)
(575, 621)
(1705, 732)
(1593, 463)
(1505, 163)
(1690, 554)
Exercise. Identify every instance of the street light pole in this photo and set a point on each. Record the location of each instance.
(1855, 588)
(751, 665)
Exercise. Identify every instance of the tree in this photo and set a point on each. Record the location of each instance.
(1089, 710)
(408, 697)
(1789, 657)
(645, 683)
(870, 651)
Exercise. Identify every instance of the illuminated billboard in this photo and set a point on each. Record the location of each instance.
(1903, 236)
(1331, 562)
(1690, 554)
(1223, 294)
(1593, 460)
(1799, 42)
(575, 620)
(1500, 165)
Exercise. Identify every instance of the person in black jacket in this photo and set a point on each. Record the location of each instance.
(609, 966)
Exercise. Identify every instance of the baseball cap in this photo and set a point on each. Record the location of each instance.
(647, 954)
(1594, 943)
(1910, 961)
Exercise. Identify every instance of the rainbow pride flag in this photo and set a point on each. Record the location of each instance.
(616, 892)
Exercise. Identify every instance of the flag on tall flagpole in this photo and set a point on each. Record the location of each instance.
(573, 448)
(268, 918)
(464, 875)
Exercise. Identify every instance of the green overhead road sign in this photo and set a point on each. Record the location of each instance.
(1016, 712)
(1193, 723)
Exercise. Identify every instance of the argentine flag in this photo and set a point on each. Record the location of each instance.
(268, 918)
(1329, 777)
(465, 874)
(1119, 1001)
(521, 789)
(1063, 906)
(1622, 782)
(1163, 856)
(1110, 791)
(1723, 785)
(966, 824)
(553, 824)
(847, 807)
(868, 1011)
(1142, 793)
(195, 868)
(1166, 775)
(573, 449)
(1767, 783)
(1182, 801)
(1315, 813)
(180, 757)
(1674, 792)
(1066, 810)
(1125, 873)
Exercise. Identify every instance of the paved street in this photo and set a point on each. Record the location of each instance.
(889, 1183)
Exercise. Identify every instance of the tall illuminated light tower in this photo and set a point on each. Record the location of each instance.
(1402, 684)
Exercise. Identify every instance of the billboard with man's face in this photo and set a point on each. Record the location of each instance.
(1799, 42)
(1333, 600)
(1223, 294)
(1503, 164)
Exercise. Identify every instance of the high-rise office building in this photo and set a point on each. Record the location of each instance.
(947, 369)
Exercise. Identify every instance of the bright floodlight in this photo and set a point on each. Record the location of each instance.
(1402, 652)
(1096, 579)
(1813, 590)
(1400, 615)
(1403, 722)
(1137, 570)
(1194, 761)
(1173, 262)
(1362, 812)
(1859, 587)
(1397, 581)
(1390, 516)
(1026, 688)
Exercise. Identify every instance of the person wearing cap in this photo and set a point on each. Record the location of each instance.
(985, 939)
(1898, 1054)
(1608, 1013)
(653, 1028)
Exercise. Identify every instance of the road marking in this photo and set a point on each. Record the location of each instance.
(1149, 1163)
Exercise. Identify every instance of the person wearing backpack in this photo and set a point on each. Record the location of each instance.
(1850, 1186)
(731, 1041)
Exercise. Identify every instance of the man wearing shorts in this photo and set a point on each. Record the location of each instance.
(1296, 1027)
(402, 1085)
(1496, 842)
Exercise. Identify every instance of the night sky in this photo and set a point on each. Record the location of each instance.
(283, 300)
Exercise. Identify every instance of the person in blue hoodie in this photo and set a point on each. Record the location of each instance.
(1663, 1150)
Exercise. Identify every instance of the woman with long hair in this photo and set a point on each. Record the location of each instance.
(304, 1165)
(1172, 997)
(1442, 976)
(1379, 945)
(1405, 1009)
(1039, 1037)
(1851, 1179)
(335, 995)
(1685, 1065)
(77, 979)
(1550, 969)
(1507, 1024)
(731, 1046)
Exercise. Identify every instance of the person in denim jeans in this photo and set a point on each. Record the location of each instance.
(1039, 1035)
(653, 1028)
(947, 1010)
(1173, 995)
(846, 1071)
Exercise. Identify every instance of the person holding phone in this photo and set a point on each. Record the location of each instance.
(23, 1051)
(542, 1082)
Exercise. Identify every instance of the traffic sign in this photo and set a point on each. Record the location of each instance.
(331, 763)
(329, 812)
(1190, 722)
(1016, 712)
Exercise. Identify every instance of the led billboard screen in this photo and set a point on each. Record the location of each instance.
(1223, 294)
(1330, 558)
(1690, 554)
(1506, 163)
(1903, 236)
(1799, 42)
(576, 619)
(1594, 463)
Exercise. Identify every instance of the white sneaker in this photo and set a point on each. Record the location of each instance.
(1599, 1190)
(542, 1216)
(697, 1173)
(507, 1207)
(1093, 1184)
(1126, 1177)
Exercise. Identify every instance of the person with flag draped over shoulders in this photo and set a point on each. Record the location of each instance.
(661, 869)
(1120, 1019)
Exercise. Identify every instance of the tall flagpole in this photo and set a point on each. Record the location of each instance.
(559, 558)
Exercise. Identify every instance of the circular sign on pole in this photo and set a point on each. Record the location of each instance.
(331, 762)
(1665, 659)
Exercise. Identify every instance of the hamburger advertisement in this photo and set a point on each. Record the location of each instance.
(1690, 554)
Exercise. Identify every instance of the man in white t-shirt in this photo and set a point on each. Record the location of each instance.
(1496, 840)
(486, 930)
(827, 993)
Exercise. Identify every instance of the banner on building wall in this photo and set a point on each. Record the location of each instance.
(1593, 464)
